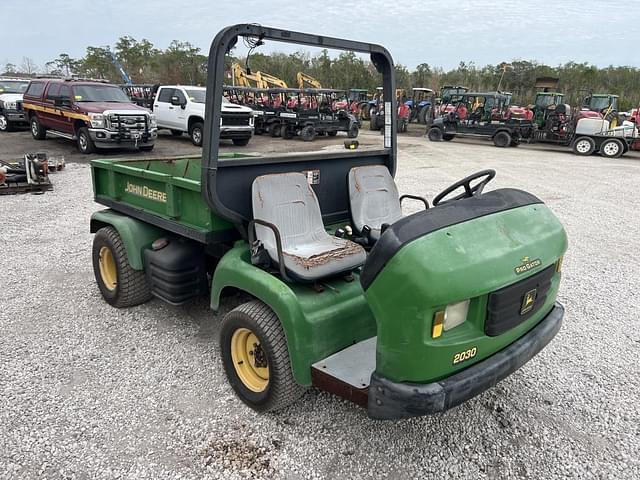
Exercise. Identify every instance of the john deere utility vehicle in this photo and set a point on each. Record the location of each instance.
(404, 315)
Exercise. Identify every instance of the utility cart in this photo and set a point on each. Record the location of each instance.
(480, 115)
(312, 113)
(404, 315)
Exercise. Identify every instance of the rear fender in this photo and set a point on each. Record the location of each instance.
(135, 234)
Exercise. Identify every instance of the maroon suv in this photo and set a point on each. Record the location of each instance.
(94, 114)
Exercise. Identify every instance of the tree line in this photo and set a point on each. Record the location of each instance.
(183, 63)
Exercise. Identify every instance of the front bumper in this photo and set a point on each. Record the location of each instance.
(15, 116)
(235, 132)
(104, 138)
(389, 400)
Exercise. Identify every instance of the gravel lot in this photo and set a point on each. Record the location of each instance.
(90, 392)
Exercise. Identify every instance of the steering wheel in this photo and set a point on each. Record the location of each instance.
(469, 191)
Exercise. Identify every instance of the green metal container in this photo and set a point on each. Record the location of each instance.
(163, 192)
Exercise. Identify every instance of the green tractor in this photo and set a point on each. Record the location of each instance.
(404, 315)
(545, 102)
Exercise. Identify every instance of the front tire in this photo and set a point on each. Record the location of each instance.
(502, 139)
(38, 132)
(5, 125)
(435, 134)
(255, 358)
(196, 133)
(85, 144)
(121, 286)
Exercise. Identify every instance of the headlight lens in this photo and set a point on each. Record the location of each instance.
(11, 105)
(152, 121)
(97, 120)
(455, 314)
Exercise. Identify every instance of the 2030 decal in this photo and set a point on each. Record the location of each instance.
(463, 356)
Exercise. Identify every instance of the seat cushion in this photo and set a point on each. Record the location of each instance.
(310, 253)
(374, 198)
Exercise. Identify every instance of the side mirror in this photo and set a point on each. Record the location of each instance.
(175, 100)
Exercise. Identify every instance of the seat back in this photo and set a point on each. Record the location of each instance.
(374, 197)
(287, 201)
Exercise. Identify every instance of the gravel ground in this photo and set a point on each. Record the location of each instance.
(90, 392)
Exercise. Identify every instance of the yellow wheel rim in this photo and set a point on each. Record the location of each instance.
(249, 360)
(108, 271)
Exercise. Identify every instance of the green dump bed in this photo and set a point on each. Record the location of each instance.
(163, 192)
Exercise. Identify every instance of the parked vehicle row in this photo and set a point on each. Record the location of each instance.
(586, 130)
(100, 115)
(298, 112)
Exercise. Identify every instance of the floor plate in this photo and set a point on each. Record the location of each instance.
(353, 365)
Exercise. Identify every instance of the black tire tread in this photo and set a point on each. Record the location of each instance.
(284, 390)
(133, 288)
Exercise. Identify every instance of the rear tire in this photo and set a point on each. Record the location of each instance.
(612, 148)
(287, 133)
(275, 130)
(308, 133)
(196, 133)
(435, 134)
(364, 112)
(262, 378)
(85, 144)
(502, 139)
(121, 286)
(241, 142)
(38, 132)
(583, 146)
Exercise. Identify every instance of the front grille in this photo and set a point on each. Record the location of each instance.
(236, 119)
(127, 122)
(505, 305)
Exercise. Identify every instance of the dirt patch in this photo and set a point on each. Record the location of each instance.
(239, 455)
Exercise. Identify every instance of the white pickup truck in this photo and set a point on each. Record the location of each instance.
(180, 109)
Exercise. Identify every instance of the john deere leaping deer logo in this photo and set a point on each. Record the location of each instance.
(526, 265)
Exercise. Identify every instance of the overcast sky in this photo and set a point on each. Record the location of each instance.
(415, 31)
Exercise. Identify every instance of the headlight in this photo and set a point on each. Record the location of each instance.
(11, 105)
(152, 121)
(97, 120)
(453, 315)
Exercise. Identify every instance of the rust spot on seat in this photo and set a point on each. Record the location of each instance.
(323, 258)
